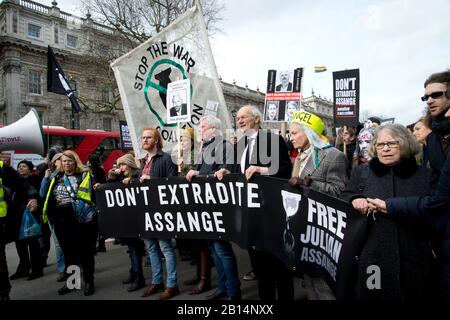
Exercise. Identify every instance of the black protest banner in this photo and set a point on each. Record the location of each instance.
(346, 98)
(125, 137)
(309, 231)
(174, 208)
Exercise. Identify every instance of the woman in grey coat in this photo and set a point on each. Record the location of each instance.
(320, 167)
(399, 251)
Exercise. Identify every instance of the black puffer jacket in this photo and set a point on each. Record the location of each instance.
(434, 209)
(399, 248)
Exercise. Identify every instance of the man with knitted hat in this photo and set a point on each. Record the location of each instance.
(320, 167)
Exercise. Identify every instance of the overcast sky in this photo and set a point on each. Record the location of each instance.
(396, 44)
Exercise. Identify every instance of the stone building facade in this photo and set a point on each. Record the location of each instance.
(82, 47)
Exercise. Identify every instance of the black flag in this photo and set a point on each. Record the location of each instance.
(56, 80)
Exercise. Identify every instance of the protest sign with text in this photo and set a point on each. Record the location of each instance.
(346, 98)
(310, 231)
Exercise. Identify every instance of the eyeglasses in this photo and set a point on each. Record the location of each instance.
(390, 144)
(434, 95)
(146, 137)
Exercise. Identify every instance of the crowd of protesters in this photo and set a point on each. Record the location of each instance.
(399, 178)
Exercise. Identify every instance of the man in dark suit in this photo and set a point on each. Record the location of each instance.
(178, 107)
(285, 85)
(262, 152)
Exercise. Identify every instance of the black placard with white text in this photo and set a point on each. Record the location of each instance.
(346, 98)
(125, 137)
(309, 231)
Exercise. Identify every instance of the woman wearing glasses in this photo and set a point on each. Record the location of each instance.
(398, 251)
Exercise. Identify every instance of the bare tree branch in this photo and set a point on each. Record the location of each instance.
(135, 21)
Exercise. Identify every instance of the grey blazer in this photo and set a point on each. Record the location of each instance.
(331, 176)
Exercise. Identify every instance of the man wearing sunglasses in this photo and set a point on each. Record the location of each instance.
(437, 97)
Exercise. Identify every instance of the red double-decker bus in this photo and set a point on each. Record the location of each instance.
(84, 142)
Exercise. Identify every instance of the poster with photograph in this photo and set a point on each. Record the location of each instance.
(346, 98)
(291, 107)
(272, 111)
(211, 108)
(179, 101)
(283, 94)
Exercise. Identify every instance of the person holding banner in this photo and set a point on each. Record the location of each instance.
(129, 171)
(193, 248)
(320, 167)
(252, 151)
(158, 164)
(434, 210)
(216, 154)
(400, 249)
(185, 162)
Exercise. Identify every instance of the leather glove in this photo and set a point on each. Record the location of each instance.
(297, 182)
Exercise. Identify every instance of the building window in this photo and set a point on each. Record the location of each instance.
(34, 82)
(72, 41)
(56, 33)
(107, 124)
(14, 22)
(74, 86)
(106, 97)
(34, 31)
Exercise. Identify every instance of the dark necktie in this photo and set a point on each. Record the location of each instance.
(247, 155)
